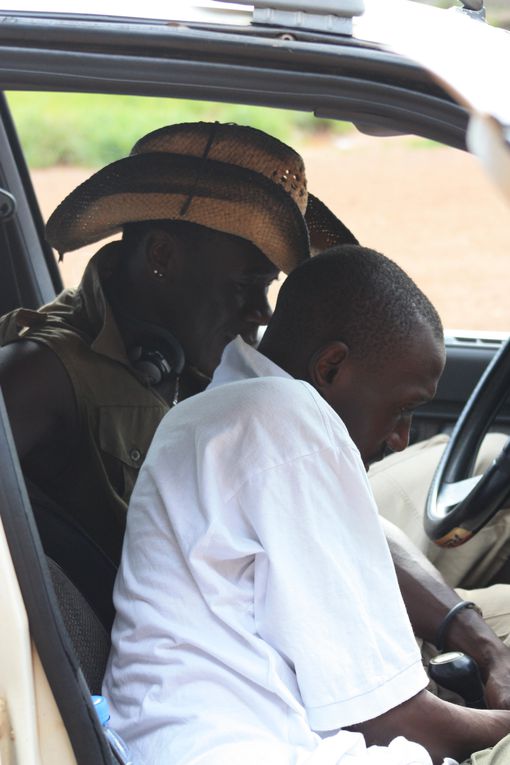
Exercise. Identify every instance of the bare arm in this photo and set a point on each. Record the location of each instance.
(444, 729)
(428, 598)
(40, 401)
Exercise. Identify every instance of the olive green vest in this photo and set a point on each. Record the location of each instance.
(118, 412)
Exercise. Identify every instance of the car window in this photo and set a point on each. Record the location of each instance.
(429, 207)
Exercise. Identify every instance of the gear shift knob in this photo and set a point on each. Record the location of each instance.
(458, 672)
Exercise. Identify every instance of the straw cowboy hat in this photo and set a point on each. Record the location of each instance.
(230, 178)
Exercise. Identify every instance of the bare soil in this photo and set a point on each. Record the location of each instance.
(430, 208)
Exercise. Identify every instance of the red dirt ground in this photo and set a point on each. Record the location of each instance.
(429, 208)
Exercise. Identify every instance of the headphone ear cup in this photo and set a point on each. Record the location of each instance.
(157, 359)
(152, 363)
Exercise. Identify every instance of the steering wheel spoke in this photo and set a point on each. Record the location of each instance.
(452, 493)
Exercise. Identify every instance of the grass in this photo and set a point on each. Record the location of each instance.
(92, 130)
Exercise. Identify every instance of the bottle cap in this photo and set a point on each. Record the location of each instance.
(102, 709)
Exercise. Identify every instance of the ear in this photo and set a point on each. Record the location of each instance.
(326, 364)
(162, 252)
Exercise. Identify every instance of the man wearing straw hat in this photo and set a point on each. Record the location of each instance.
(210, 214)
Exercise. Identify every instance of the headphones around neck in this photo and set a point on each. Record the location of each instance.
(158, 355)
(156, 360)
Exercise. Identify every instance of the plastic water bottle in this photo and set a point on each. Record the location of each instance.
(118, 745)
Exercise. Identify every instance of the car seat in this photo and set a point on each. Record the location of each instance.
(56, 612)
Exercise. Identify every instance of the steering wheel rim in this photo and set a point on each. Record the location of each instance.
(458, 504)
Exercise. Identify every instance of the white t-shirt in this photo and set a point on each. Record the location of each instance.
(257, 603)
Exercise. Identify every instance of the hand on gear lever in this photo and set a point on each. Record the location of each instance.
(458, 672)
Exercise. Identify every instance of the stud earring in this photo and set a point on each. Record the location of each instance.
(157, 273)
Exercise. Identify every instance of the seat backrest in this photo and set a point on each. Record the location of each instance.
(90, 639)
(83, 562)
(83, 578)
(46, 626)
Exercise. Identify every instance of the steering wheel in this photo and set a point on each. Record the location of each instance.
(459, 504)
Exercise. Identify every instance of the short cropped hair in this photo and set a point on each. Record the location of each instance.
(353, 294)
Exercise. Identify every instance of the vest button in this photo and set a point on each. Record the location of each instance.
(136, 455)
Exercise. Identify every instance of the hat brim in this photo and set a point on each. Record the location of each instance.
(324, 228)
(162, 186)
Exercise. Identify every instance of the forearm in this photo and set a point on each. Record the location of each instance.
(444, 729)
(427, 596)
(428, 599)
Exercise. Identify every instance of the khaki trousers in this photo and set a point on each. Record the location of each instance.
(496, 755)
(400, 484)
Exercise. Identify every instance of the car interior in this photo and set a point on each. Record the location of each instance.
(65, 579)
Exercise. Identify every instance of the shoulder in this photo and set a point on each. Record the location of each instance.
(274, 398)
(269, 392)
(38, 394)
(33, 378)
(29, 356)
(275, 415)
(28, 363)
(284, 399)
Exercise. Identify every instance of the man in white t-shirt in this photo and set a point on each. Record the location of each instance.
(259, 618)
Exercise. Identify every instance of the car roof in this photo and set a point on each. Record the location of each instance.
(392, 43)
(440, 40)
(445, 42)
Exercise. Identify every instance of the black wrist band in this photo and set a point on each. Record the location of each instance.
(443, 627)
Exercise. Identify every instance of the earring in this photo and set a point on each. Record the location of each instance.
(157, 273)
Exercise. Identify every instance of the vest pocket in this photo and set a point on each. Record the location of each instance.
(125, 434)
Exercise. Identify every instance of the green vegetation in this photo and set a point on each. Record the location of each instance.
(92, 130)
(416, 142)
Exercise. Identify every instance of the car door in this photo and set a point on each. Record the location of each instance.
(29, 273)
